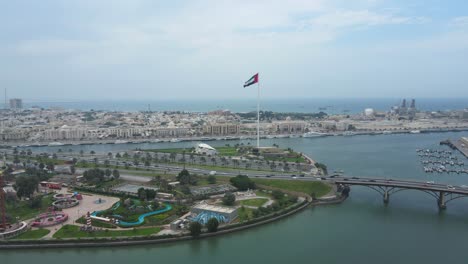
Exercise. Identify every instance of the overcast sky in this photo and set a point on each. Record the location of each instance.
(158, 50)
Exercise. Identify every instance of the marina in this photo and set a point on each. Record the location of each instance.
(441, 161)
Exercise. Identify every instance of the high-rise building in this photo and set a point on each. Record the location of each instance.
(16, 103)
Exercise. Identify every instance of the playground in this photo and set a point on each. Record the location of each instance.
(50, 218)
(89, 203)
(130, 212)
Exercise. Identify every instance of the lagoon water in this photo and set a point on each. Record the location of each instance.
(361, 230)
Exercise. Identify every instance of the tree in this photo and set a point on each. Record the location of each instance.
(116, 174)
(211, 179)
(242, 182)
(277, 194)
(26, 185)
(150, 194)
(72, 169)
(142, 193)
(92, 152)
(108, 172)
(81, 153)
(184, 177)
(212, 225)
(229, 199)
(195, 229)
(118, 155)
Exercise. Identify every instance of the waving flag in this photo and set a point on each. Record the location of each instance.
(251, 81)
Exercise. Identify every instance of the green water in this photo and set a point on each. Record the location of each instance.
(361, 230)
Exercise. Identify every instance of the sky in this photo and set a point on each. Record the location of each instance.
(168, 50)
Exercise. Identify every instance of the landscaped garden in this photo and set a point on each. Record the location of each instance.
(73, 231)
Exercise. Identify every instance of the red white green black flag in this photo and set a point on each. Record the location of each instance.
(251, 81)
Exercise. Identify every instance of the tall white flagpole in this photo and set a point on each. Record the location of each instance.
(258, 113)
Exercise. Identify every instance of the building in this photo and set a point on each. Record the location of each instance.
(16, 103)
(221, 129)
(464, 140)
(289, 127)
(229, 213)
(205, 149)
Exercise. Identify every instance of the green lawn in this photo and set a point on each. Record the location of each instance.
(227, 151)
(33, 234)
(73, 231)
(245, 214)
(257, 202)
(307, 187)
(22, 209)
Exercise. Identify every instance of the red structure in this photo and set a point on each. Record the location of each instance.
(3, 223)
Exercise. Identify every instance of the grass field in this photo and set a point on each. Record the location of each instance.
(227, 151)
(257, 202)
(245, 214)
(307, 187)
(33, 234)
(73, 231)
(22, 209)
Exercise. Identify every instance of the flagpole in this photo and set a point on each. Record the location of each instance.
(258, 114)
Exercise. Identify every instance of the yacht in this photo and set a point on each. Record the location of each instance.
(313, 134)
(174, 140)
(415, 131)
(349, 133)
(56, 144)
(120, 142)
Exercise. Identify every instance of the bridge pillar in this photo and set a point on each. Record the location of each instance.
(386, 197)
(441, 201)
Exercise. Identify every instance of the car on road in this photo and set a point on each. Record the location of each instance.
(450, 187)
(323, 178)
(355, 178)
(464, 186)
(430, 182)
(372, 180)
(294, 177)
(301, 175)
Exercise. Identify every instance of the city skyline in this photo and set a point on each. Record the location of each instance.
(121, 50)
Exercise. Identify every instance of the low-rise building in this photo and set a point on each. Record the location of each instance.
(230, 213)
(205, 149)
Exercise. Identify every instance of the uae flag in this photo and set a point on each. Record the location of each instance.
(251, 81)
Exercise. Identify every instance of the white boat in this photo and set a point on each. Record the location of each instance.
(349, 133)
(313, 134)
(120, 142)
(387, 132)
(415, 131)
(56, 144)
(174, 140)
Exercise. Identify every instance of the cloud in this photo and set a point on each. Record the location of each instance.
(460, 22)
(343, 19)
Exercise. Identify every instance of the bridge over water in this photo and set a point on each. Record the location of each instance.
(443, 193)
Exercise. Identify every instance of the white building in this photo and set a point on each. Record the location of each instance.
(205, 149)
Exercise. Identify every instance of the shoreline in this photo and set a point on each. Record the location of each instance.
(26, 144)
(113, 242)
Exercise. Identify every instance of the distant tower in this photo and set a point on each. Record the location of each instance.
(413, 104)
(6, 100)
(403, 104)
(16, 103)
(2, 203)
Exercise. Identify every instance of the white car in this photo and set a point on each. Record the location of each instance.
(430, 182)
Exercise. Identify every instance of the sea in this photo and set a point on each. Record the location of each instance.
(298, 105)
(362, 229)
